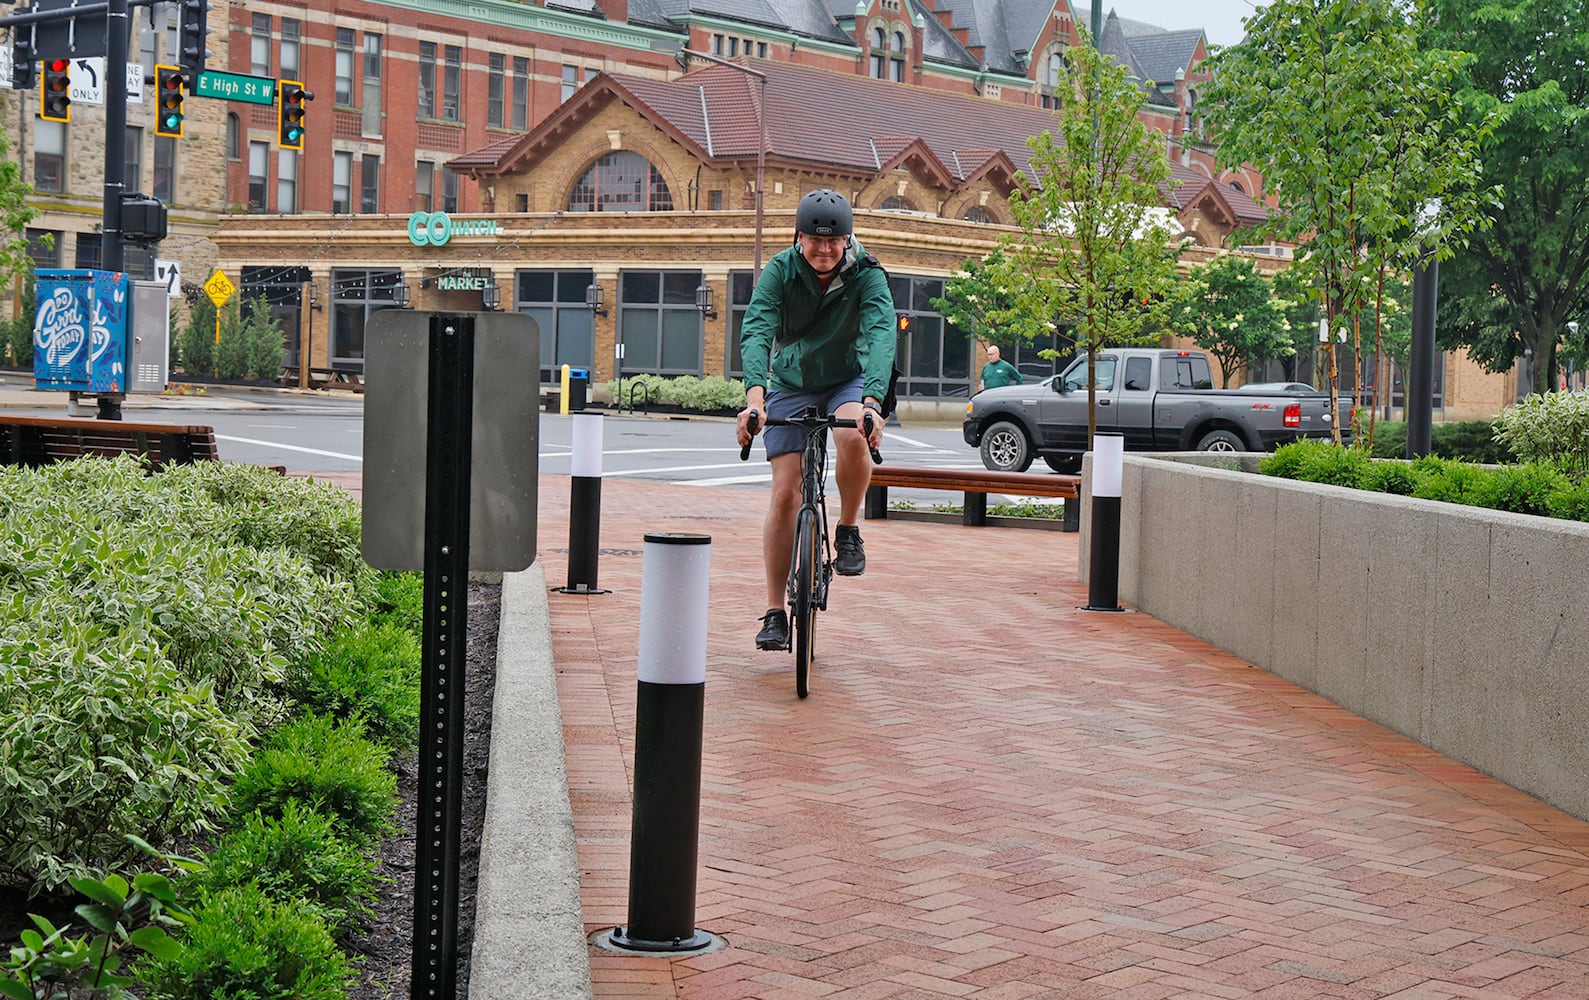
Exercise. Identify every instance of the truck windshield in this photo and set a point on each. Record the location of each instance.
(1076, 375)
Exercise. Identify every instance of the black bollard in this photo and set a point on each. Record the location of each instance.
(584, 505)
(667, 770)
(1103, 565)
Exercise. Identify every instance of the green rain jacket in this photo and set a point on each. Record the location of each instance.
(795, 337)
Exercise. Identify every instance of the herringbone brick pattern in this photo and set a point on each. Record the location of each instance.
(991, 794)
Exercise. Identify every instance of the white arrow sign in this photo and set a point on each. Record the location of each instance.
(170, 272)
(88, 80)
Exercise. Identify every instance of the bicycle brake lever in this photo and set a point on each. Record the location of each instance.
(877, 456)
(753, 422)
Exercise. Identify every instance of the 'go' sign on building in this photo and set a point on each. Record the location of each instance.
(436, 228)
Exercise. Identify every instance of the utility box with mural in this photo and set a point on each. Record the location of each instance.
(80, 330)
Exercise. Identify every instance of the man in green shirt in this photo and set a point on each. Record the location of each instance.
(819, 330)
(997, 373)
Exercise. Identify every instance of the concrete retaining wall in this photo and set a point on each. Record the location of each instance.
(1462, 628)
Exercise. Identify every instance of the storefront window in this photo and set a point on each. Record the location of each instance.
(556, 301)
(933, 354)
(657, 320)
(282, 290)
(355, 295)
(740, 285)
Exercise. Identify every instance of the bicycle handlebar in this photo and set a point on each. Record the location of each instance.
(810, 424)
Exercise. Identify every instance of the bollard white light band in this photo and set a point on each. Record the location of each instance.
(1108, 464)
(587, 445)
(674, 573)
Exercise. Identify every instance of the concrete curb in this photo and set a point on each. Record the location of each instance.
(529, 940)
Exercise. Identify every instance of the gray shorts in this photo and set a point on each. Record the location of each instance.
(786, 405)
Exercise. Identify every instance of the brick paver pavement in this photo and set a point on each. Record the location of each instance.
(991, 794)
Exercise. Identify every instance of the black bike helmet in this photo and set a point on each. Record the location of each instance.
(824, 212)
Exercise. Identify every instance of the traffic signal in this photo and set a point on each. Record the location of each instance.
(55, 104)
(168, 88)
(24, 60)
(291, 104)
(191, 47)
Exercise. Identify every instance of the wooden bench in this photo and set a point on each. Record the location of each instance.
(976, 485)
(319, 378)
(35, 441)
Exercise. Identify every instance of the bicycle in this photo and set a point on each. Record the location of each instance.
(811, 563)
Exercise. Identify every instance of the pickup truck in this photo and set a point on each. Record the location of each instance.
(1161, 400)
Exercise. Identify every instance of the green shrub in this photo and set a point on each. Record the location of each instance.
(1388, 476)
(372, 674)
(1571, 502)
(1522, 489)
(1323, 462)
(16, 335)
(296, 856)
(326, 764)
(1286, 461)
(100, 737)
(244, 945)
(708, 394)
(1470, 441)
(198, 339)
(400, 601)
(1447, 480)
(1553, 427)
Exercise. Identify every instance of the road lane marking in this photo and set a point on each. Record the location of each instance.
(289, 447)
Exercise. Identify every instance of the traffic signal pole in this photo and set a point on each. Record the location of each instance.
(110, 250)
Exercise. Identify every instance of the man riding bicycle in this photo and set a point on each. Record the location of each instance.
(819, 330)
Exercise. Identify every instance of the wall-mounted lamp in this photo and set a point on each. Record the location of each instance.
(314, 298)
(400, 294)
(593, 298)
(490, 295)
(703, 301)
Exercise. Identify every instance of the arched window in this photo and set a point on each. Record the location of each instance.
(1056, 62)
(1053, 66)
(896, 61)
(894, 203)
(1191, 104)
(877, 38)
(976, 213)
(234, 141)
(878, 64)
(1236, 186)
(621, 181)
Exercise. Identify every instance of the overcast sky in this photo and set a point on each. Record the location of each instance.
(1220, 19)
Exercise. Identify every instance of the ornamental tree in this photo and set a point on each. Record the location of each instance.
(981, 299)
(1354, 127)
(1229, 308)
(1096, 248)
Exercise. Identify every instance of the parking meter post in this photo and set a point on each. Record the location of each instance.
(1103, 567)
(669, 713)
(584, 504)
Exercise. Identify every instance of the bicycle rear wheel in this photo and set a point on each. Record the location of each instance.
(804, 601)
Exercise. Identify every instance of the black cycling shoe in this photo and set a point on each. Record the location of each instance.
(774, 632)
(850, 558)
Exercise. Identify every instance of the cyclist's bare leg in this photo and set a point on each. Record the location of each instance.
(777, 533)
(853, 471)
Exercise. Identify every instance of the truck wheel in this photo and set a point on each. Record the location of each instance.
(1005, 448)
(1065, 465)
(1221, 441)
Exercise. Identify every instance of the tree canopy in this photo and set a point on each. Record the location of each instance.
(1229, 308)
(1354, 126)
(1515, 287)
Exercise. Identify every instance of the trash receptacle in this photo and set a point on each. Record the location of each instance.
(578, 386)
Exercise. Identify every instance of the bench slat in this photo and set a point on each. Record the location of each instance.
(975, 485)
(41, 440)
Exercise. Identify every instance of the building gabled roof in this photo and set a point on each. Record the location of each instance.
(1217, 200)
(1163, 54)
(834, 121)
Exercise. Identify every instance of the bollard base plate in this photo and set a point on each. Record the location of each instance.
(581, 588)
(699, 942)
(1113, 611)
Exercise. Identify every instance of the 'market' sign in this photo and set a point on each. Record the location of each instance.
(436, 228)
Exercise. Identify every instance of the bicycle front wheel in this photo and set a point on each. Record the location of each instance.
(804, 601)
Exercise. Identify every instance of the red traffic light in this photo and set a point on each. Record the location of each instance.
(55, 104)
